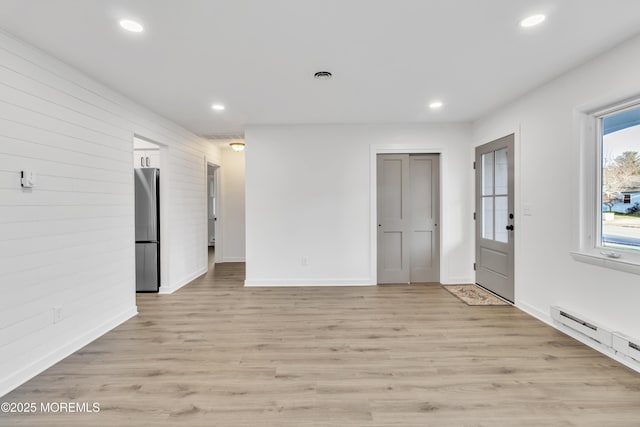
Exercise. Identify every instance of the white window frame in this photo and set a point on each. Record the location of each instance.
(588, 205)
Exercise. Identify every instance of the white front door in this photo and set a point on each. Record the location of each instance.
(408, 197)
(495, 217)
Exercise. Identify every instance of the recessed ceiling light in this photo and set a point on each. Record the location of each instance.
(133, 26)
(435, 105)
(323, 75)
(532, 21)
(217, 107)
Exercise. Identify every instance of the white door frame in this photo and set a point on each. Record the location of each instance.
(498, 132)
(376, 149)
(165, 243)
(218, 228)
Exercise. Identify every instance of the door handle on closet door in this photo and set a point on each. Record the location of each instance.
(509, 227)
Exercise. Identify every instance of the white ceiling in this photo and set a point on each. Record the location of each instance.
(257, 57)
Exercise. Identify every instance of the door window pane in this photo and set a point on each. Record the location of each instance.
(487, 218)
(502, 218)
(502, 172)
(487, 174)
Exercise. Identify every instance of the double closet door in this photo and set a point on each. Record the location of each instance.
(408, 216)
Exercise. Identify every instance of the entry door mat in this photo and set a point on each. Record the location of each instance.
(474, 295)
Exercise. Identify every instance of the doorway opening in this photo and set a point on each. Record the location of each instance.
(214, 228)
(408, 216)
(149, 222)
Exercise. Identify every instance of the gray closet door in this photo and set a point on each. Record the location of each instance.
(393, 218)
(424, 210)
(408, 208)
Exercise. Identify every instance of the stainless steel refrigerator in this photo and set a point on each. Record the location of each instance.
(147, 195)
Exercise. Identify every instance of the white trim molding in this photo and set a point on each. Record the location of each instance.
(179, 284)
(601, 348)
(585, 173)
(458, 281)
(25, 374)
(232, 259)
(607, 262)
(306, 283)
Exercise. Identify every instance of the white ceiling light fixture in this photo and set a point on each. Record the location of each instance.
(131, 26)
(217, 107)
(436, 105)
(237, 146)
(532, 21)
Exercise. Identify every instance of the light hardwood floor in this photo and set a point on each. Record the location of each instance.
(218, 354)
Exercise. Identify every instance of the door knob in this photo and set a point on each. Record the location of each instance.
(509, 227)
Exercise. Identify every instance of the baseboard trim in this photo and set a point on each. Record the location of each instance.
(305, 283)
(22, 376)
(183, 282)
(458, 281)
(232, 259)
(607, 351)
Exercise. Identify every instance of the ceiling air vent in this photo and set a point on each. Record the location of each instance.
(323, 75)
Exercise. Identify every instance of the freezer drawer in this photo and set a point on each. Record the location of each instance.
(147, 275)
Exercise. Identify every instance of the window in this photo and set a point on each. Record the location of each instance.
(619, 135)
(495, 195)
(607, 180)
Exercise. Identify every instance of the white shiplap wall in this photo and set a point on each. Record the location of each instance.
(69, 241)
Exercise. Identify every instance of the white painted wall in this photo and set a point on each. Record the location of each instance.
(309, 194)
(547, 179)
(232, 197)
(69, 242)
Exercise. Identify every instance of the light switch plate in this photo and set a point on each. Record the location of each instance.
(28, 179)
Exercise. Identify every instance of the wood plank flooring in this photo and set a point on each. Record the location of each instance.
(218, 354)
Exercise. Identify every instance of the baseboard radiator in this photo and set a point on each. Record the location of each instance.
(627, 346)
(616, 341)
(582, 325)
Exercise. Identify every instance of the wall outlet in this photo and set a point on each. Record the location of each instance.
(57, 313)
(304, 261)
